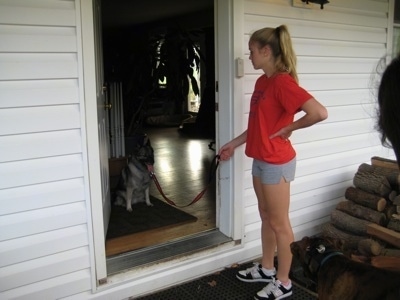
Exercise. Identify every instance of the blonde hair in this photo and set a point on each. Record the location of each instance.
(281, 46)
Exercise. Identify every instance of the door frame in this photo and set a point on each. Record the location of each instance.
(95, 193)
(224, 53)
(227, 213)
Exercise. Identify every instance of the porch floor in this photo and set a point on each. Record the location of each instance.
(224, 285)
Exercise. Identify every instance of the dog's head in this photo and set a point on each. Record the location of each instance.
(312, 252)
(144, 152)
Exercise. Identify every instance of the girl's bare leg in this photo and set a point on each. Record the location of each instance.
(276, 230)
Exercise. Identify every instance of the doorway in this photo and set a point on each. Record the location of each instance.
(182, 138)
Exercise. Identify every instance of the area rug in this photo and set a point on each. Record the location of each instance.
(143, 218)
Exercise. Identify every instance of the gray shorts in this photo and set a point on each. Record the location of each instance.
(272, 174)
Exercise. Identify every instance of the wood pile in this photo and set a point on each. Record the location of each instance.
(367, 221)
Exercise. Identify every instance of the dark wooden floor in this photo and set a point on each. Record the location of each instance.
(182, 166)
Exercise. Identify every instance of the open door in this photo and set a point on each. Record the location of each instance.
(102, 116)
(96, 129)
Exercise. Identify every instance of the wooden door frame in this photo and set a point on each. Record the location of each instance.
(226, 212)
(95, 218)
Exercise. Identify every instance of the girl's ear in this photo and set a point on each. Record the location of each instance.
(266, 50)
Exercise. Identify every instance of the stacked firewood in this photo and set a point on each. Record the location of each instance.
(367, 221)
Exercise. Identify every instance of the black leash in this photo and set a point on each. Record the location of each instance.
(213, 170)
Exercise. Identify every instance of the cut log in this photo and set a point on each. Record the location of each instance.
(384, 234)
(360, 258)
(392, 195)
(394, 224)
(372, 183)
(384, 162)
(349, 223)
(386, 262)
(390, 252)
(362, 212)
(369, 247)
(391, 174)
(390, 210)
(363, 198)
(396, 200)
(350, 241)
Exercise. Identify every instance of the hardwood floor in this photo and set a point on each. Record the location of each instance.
(182, 167)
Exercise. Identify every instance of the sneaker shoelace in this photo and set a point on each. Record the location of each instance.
(271, 287)
(252, 269)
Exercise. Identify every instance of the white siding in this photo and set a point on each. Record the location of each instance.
(338, 51)
(44, 252)
(44, 238)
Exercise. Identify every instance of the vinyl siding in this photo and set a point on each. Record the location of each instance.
(44, 244)
(44, 237)
(338, 52)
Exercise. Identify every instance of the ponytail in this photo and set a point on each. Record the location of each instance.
(281, 45)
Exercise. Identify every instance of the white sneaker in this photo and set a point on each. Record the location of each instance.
(254, 274)
(274, 291)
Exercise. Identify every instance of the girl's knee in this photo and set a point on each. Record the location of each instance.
(280, 226)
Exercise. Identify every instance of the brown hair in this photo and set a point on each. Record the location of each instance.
(281, 46)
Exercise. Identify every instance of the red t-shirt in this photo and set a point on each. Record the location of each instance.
(274, 103)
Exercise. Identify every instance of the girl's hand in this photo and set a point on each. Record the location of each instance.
(284, 133)
(225, 152)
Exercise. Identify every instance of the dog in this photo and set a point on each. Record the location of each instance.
(134, 183)
(337, 277)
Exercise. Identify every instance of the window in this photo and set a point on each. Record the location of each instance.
(162, 82)
(193, 99)
(162, 70)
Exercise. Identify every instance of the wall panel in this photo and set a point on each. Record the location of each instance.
(339, 50)
(44, 237)
(43, 39)
(40, 145)
(14, 251)
(28, 66)
(38, 92)
(36, 196)
(38, 119)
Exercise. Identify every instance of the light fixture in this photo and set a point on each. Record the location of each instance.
(321, 2)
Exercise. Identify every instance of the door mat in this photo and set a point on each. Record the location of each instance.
(143, 218)
(221, 285)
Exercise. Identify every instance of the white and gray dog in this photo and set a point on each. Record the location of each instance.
(134, 184)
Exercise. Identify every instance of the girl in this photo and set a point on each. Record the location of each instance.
(277, 97)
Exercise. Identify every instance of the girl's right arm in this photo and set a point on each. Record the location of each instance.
(227, 150)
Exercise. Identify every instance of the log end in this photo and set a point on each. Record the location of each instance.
(381, 204)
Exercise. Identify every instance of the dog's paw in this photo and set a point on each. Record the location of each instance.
(129, 209)
(150, 204)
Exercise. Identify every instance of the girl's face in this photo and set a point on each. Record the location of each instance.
(257, 55)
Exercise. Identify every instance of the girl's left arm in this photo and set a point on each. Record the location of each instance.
(314, 112)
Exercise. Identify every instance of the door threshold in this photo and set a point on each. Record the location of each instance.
(197, 242)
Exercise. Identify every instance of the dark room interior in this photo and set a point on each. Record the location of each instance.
(160, 58)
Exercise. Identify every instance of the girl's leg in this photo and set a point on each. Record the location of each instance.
(276, 230)
(268, 239)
